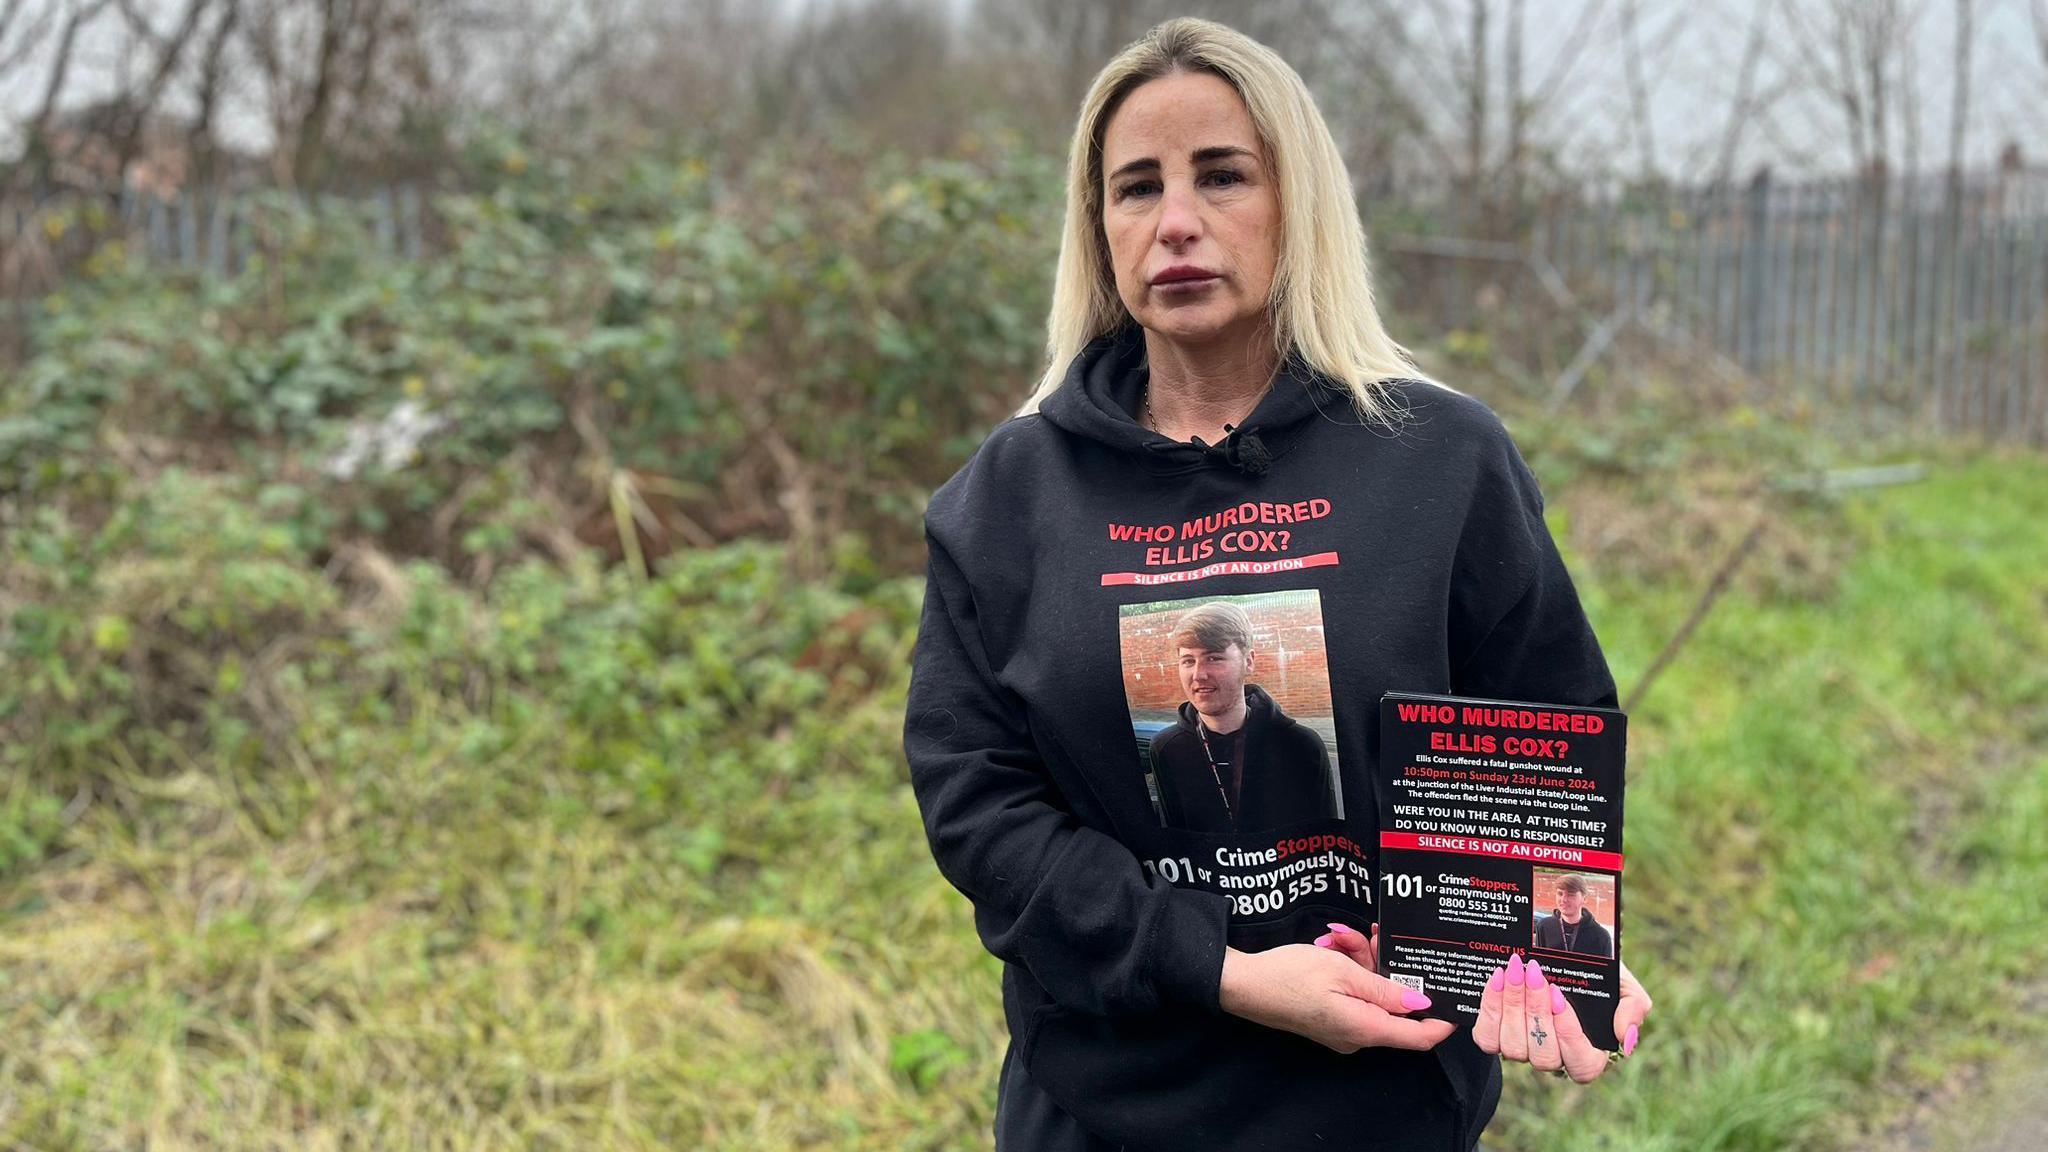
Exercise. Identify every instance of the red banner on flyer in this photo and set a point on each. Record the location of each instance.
(1505, 849)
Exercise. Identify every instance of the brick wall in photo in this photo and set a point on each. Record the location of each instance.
(1288, 646)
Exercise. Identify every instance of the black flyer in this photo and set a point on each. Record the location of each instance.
(1500, 833)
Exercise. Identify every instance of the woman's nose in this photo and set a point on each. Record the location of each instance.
(1180, 219)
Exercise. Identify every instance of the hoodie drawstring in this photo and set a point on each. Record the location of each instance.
(1243, 450)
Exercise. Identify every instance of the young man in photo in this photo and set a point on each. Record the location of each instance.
(1571, 928)
(1235, 762)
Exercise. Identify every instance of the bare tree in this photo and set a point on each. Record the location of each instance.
(1959, 103)
(1745, 108)
(208, 95)
(1855, 52)
(345, 79)
(22, 32)
(1476, 76)
(1390, 90)
(1638, 89)
(2040, 10)
(1514, 163)
(556, 59)
(1548, 94)
(38, 157)
(136, 108)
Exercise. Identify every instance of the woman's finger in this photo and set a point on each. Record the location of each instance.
(1543, 1042)
(1415, 1035)
(1582, 1062)
(1389, 996)
(1629, 1013)
(1486, 1029)
(1514, 1020)
(1350, 943)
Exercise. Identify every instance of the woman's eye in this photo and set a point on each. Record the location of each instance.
(1232, 176)
(1134, 188)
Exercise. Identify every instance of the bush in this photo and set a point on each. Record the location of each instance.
(802, 347)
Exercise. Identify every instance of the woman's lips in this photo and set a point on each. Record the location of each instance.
(1187, 287)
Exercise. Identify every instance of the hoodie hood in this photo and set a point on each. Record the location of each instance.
(1100, 396)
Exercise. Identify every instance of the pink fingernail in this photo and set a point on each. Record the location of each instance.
(1535, 976)
(1339, 928)
(1515, 971)
(1494, 981)
(1628, 1043)
(1323, 941)
(1556, 1000)
(1414, 1001)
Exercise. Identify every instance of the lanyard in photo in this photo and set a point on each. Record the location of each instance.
(1216, 774)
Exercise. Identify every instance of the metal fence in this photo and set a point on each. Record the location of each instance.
(210, 229)
(46, 240)
(1921, 298)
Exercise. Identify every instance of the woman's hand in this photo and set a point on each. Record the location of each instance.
(1524, 1017)
(1328, 998)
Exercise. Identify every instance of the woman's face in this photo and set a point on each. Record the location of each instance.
(1190, 209)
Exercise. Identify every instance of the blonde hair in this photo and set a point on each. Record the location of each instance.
(1214, 626)
(1322, 301)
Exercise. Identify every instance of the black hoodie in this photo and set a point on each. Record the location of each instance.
(1589, 936)
(1279, 771)
(1424, 553)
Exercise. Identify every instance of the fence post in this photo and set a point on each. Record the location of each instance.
(385, 210)
(1750, 303)
(409, 204)
(216, 237)
(188, 229)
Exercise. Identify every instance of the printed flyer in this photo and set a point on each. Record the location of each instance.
(1500, 833)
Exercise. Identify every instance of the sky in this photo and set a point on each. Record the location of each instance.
(1692, 93)
(1691, 65)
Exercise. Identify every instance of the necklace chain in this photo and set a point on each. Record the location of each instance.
(1216, 774)
(1153, 424)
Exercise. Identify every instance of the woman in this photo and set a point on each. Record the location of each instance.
(1223, 413)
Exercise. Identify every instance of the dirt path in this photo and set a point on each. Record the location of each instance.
(2002, 1110)
(2002, 1116)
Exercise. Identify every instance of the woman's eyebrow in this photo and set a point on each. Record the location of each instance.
(1200, 155)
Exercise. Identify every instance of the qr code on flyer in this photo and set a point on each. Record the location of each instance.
(1410, 980)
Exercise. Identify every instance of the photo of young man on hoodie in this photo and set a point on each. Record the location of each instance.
(1235, 762)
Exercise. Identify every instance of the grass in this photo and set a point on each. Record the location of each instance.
(584, 863)
(1835, 834)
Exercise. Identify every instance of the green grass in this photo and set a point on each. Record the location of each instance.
(590, 863)
(1836, 812)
